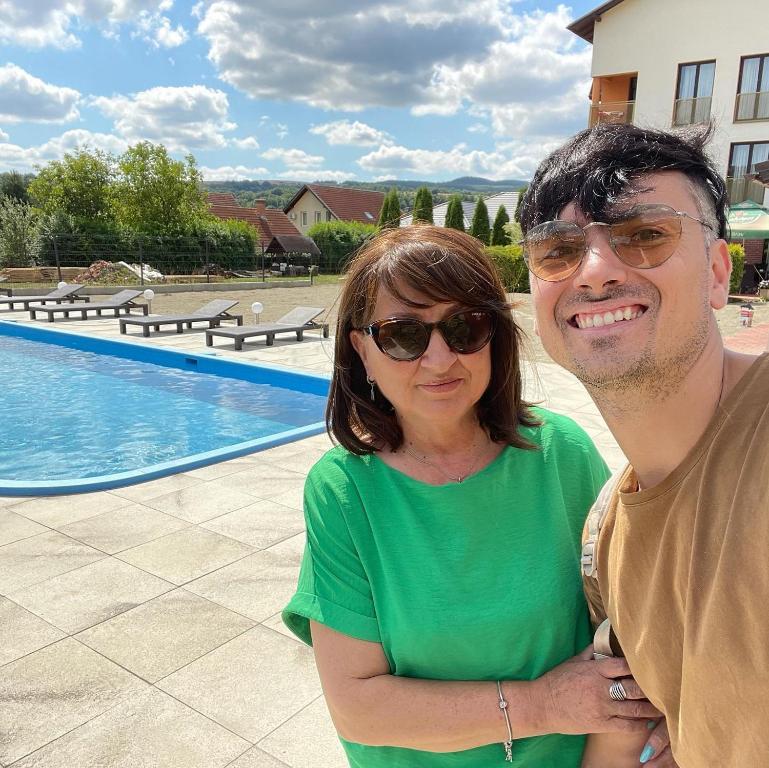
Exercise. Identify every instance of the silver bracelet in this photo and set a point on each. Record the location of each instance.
(508, 745)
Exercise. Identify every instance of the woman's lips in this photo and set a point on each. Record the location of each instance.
(441, 386)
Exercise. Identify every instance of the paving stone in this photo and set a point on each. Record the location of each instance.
(164, 634)
(185, 555)
(256, 586)
(91, 594)
(275, 679)
(41, 557)
(123, 528)
(150, 730)
(14, 527)
(256, 758)
(202, 502)
(260, 524)
(50, 692)
(307, 740)
(55, 511)
(23, 632)
(151, 490)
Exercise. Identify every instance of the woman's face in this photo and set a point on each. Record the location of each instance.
(441, 385)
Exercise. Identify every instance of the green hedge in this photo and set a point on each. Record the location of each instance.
(509, 262)
(339, 240)
(737, 252)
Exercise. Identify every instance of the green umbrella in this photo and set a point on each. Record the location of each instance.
(748, 221)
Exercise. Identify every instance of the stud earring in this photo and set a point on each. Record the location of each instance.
(371, 383)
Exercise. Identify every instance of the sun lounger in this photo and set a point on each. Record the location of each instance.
(296, 321)
(59, 296)
(122, 301)
(6, 291)
(212, 313)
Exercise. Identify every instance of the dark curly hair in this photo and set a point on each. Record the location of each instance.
(594, 167)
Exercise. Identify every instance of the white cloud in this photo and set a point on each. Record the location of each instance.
(357, 134)
(233, 173)
(478, 128)
(310, 175)
(249, 142)
(514, 160)
(335, 55)
(3, 135)
(25, 158)
(294, 159)
(54, 23)
(26, 98)
(182, 118)
(156, 29)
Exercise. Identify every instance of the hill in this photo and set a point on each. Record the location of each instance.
(278, 193)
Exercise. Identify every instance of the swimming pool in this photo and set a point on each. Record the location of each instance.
(84, 414)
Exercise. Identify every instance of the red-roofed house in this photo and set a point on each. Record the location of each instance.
(314, 203)
(221, 198)
(276, 233)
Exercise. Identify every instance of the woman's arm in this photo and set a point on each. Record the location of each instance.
(371, 706)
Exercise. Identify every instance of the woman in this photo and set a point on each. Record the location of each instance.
(440, 584)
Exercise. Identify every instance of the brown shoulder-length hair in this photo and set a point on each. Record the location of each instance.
(443, 265)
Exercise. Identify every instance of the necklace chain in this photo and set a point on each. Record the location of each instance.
(455, 479)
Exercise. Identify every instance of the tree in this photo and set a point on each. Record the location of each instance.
(499, 233)
(390, 215)
(339, 240)
(455, 215)
(423, 206)
(480, 227)
(157, 194)
(521, 194)
(13, 184)
(78, 185)
(17, 233)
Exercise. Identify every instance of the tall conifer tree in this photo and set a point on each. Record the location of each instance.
(480, 226)
(499, 235)
(423, 206)
(455, 216)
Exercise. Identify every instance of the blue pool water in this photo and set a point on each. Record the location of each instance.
(68, 415)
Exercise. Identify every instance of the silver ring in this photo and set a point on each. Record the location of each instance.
(617, 691)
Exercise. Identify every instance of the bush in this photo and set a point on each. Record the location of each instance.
(737, 252)
(339, 240)
(508, 259)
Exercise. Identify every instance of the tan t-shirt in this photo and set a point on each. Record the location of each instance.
(683, 569)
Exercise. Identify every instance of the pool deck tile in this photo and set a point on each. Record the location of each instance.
(149, 730)
(58, 688)
(123, 528)
(81, 598)
(250, 685)
(260, 525)
(257, 586)
(245, 694)
(203, 502)
(185, 555)
(165, 633)
(23, 632)
(15, 527)
(41, 557)
(304, 741)
(55, 511)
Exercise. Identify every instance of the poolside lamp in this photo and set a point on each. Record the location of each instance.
(149, 294)
(257, 308)
(62, 284)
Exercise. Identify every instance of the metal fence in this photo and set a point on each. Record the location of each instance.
(97, 259)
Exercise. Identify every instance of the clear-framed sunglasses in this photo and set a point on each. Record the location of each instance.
(643, 239)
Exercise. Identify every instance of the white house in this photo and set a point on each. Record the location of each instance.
(665, 64)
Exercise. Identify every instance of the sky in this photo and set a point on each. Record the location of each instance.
(304, 90)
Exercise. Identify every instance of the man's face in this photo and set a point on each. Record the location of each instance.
(621, 327)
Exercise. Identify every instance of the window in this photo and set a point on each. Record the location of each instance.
(753, 89)
(694, 92)
(304, 218)
(318, 215)
(328, 215)
(744, 157)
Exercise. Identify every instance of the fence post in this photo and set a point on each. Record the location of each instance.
(56, 256)
(141, 262)
(208, 263)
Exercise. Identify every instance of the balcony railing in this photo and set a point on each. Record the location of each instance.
(752, 106)
(742, 188)
(611, 112)
(688, 111)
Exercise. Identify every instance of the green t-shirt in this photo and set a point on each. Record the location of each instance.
(477, 580)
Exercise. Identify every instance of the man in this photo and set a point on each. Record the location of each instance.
(624, 235)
